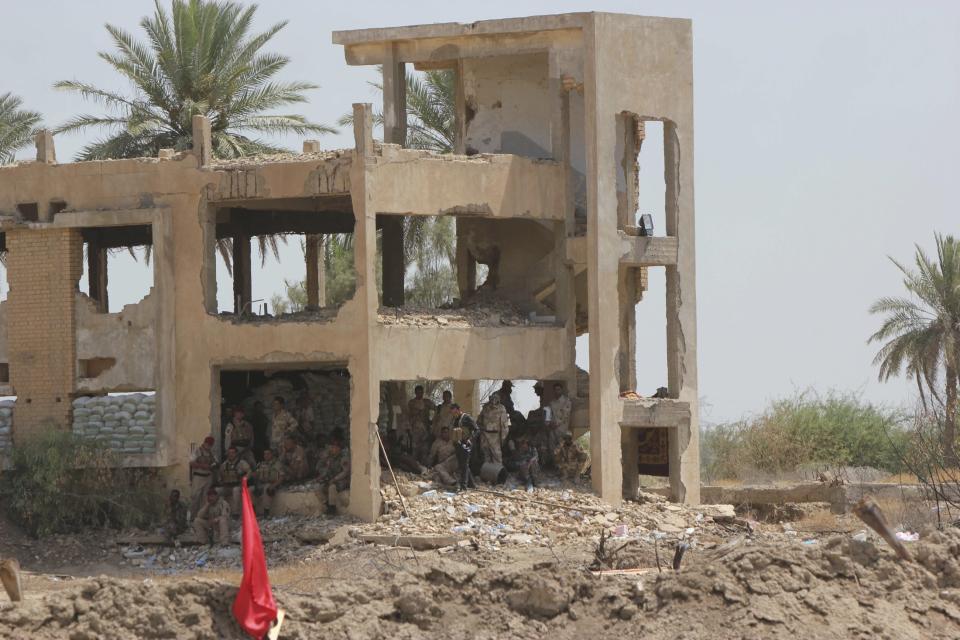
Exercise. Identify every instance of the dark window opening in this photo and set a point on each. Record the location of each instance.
(29, 211)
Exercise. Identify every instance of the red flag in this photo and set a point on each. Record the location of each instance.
(254, 608)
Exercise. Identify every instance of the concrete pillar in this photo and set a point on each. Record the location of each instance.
(466, 393)
(313, 258)
(682, 314)
(602, 283)
(46, 151)
(394, 98)
(364, 381)
(394, 263)
(242, 274)
(630, 443)
(97, 276)
(459, 112)
(466, 267)
(627, 357)
(202, 140)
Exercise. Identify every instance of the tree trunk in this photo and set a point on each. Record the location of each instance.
(950, 421)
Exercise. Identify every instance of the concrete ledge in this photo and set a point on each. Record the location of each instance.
(301, 503)
(649, 251)
(656, 413)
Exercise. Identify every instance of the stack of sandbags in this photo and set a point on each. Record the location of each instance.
(125, 423)
(6, 423)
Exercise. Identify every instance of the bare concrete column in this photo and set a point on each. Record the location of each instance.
(202, 140)
(466, 267)
(97, 276)
(393, 261)
(394, 98)
(312, 256)
(628, 291)
(46, 151)
(364, 381)
(682, 313)
(459, 112)
(242, 285)
(630, 442)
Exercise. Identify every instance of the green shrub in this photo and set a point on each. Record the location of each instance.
(807, 429)
(58, 483)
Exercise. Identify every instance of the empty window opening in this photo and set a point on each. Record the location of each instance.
(643, 331)
(4, 373)
(117, 265)
(312, 405)
(294, 261)
(94, 367)
(28, 211)
(641, 178)
(56, 206)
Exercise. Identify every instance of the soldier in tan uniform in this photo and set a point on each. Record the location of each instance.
(175, 521)
(334, 477)
(233, 469)
(268, 477)
(283, 423)
(443, 458)
(294, 461)
(419, 412)
(443, 416)
(203, 464)
(214, 516)
(570, 458)
(494, 428)
(559, 423)
(239, 434)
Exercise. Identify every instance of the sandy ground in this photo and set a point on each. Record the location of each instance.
(534, 575)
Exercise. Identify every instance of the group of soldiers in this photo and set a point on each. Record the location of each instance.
(453, 444)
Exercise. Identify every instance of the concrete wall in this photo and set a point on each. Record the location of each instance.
(128, 337)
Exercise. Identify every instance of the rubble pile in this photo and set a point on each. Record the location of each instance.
(490, 313)
(254, 161)
(125, 423)
(6, 423)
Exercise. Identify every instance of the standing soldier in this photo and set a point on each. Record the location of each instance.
(268, 476)
(334, 477)
(176, 517)
(231, 472)
(570, 458)
(214, 515)
(305, 420)
(203, 463)
(418, 420)
(559, 421)
(443, 416)
(283, 423)
(261, 425)
(494, 428)
(293, 460)
(240, 435)
(465, 432)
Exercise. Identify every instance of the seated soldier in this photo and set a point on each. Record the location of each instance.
(214, 516)
(395, 454)
(294, 461)
(267, 478)
(240, 435)
(334, 477)
(570, 458)
(443, 458)
(524, 463)
(231, 472)
(175, 521)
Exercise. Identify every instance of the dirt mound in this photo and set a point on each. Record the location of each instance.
(842, 588)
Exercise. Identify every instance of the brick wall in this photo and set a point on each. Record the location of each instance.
(43, 269)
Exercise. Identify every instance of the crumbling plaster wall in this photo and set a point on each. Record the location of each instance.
(128, 337)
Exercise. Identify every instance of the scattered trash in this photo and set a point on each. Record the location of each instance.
(620, 531)
(811, 541)
(905, 536)
(860, 536)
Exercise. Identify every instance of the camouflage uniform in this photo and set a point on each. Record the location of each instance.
(443, 459)
(268, 475)
(213, 517)
(560, 408)
(201, 479)
(231, 471)
(294, 462)
(571, 460)
(418, 425)
(334, 479)
(494, 428)
(176, 523)
(442, 418)
(283, 424)
(240, 435)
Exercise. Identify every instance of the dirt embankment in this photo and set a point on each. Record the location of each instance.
(841, 588)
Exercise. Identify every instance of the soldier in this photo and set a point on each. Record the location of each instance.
(443, 458)
(176, 517)
(395, 454)
(558, 424)
(525, 464)
(267, 477)
(294, 461)
(240, 435)
(465, 432)
(261, 424)
(494, 429)
(305, 419)
(444, 415)
(283, 423)
(214, 516)
(231, 472)
(203, 463)
(418, 421)
(570, 457)
(334, 477)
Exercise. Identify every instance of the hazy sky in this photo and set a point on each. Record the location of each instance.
(827, 138)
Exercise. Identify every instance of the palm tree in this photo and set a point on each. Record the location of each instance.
(921, 333)
(199, 59)
(17, 126)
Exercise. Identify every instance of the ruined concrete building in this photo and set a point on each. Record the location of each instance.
(551, 112)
